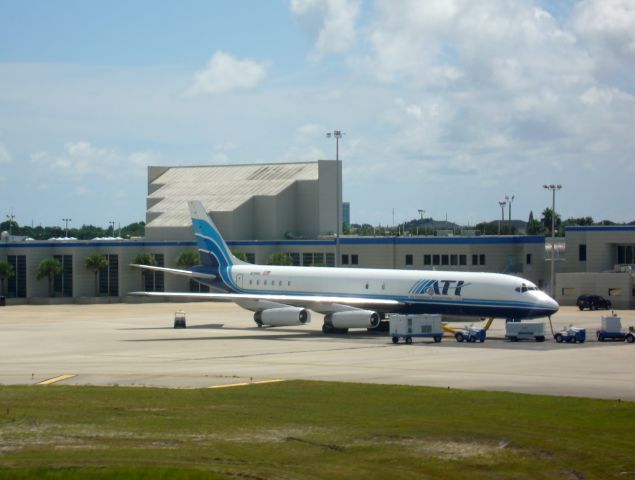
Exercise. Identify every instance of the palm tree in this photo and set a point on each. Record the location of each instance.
(280, 258)
(49, 267)
(6, 271)
(188, 259)
(144, 259)
(95, 263)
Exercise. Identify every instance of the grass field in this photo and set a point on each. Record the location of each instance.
(308, 430)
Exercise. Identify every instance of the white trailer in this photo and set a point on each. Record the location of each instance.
(411, 326)
(516, 331)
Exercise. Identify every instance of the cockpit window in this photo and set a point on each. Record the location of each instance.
(525, 288)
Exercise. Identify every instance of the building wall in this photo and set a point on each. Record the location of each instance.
(617, 287)
(381, 252)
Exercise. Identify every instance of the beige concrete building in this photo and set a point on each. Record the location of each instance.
(257, 201)
(599, 261)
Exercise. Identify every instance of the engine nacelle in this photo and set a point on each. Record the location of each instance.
(353, 319)
(283, 316)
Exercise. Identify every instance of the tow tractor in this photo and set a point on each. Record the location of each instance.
(612, 330)
(571, 334)
(469, 333)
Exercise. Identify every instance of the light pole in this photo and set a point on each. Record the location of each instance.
(337, 134)
(509, 204)
(553, 189)
(112, 226)
(66, 220)
(421, 212)
(10, 218)
(502, 204)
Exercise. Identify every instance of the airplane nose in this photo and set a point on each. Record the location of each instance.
(551, 304)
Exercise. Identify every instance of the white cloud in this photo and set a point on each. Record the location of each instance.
(225, 73)
(333, 23)
(607, 29)
(5, 158)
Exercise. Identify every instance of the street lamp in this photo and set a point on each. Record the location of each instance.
(502, 204)
(553, 189)
(66, 220)
(337, 134)
(421, 212)
(509, 203)
(10, 218)
(112, 226)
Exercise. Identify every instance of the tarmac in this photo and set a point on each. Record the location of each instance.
(136, 345)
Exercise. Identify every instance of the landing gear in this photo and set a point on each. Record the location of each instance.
(332, 330)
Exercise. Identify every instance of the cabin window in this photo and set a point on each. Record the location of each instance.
(251, 282)
(366, 286)
(383, 286)
(409, 259)
(289, 283)
(257, 282)
(280, 283)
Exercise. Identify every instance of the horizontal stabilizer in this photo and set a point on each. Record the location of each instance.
(175, 271)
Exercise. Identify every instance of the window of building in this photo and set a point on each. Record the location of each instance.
(463, 260)
(445, 259)
(318, 259)
(109, 277)
(454, 259)
(436, 259)
(582, 252)
(155, 281)
(568, 292)
(295, 258)
(408, 259)
(626, 254)
(474, 259)
(345, 259)
(16, 285)
(615, 292)
(250, 257)
(307, 259)
(481, 259)
(354, 259)
(330, 259)
(427, 259)
(528, 259)
(63, 283)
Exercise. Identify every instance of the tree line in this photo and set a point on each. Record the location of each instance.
(85, 232)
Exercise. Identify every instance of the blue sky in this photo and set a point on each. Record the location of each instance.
(447, 105)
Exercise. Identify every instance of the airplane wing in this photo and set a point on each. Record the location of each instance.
(175, 271)
(318, 303)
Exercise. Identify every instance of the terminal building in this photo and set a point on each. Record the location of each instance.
(262, 209)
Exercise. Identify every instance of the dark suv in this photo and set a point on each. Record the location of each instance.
(592, 302)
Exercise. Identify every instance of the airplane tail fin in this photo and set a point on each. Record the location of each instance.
(212, 248)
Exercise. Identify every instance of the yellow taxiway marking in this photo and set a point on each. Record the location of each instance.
(56, 379)
(244, 384)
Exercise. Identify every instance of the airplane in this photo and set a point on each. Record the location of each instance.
(349, 297)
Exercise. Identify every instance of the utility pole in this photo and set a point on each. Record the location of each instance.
(553, 189)
(112, 227)
(10, 218)
(509, 203)
(337, 134)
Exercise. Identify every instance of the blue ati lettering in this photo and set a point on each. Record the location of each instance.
(446, 287)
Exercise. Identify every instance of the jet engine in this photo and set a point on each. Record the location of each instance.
(352, 319)
(282, 317)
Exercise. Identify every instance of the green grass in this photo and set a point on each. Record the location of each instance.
(307, 430)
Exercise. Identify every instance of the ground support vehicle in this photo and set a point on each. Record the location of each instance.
(571, 334)
(413, 326)
(179, 319)
(515, 331)
(612, 330)
(470, 334)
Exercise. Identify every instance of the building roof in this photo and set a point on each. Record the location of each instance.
(221, 188)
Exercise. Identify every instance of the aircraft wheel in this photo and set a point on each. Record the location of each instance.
(408, 340)
(395, 339)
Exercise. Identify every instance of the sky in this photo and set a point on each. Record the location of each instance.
(446, 105)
